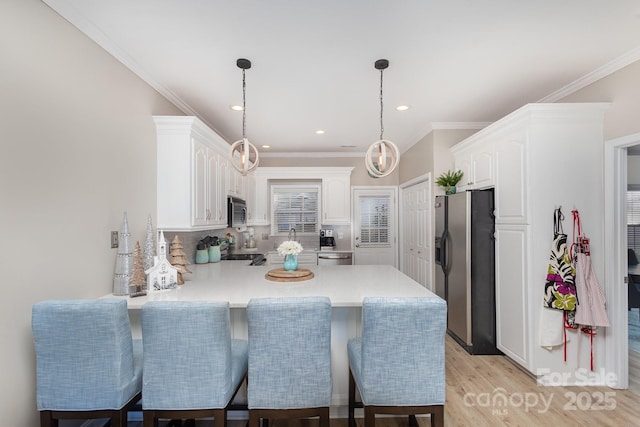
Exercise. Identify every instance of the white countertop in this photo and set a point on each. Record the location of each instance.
(236, 282)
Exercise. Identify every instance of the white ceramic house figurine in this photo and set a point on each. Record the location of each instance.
(162, 275)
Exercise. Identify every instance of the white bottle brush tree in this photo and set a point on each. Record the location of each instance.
(149, 246)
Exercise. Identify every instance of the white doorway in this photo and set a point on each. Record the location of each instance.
(375, 226)
(415, 230)
(615, 254)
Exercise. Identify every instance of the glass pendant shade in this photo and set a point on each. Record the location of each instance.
(244, 156)
(382, 158)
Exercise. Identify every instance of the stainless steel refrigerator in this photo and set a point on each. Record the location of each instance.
(465, 267)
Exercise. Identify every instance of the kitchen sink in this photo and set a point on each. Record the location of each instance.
(256, 259)
(240, 257)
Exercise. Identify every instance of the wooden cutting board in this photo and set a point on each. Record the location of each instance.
(282, 275)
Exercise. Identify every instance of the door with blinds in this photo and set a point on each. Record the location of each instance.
(375, 226)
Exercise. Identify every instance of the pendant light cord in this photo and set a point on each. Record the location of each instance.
(381, 107)
(244, 105)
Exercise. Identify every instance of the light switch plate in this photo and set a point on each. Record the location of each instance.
(114, 239)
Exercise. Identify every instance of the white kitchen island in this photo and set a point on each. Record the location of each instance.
(344, 285)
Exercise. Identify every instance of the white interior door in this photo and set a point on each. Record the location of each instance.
(415, 234)
(375, 226)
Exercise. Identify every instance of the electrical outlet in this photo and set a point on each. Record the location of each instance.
(340, 236)
(114, 239)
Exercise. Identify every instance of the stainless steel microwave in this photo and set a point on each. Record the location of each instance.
(236, 212)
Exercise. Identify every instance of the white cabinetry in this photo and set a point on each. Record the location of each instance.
(208, 207)
(236, 183)
(512, 328)
(257, 198)
(250, 197)
(336, 199)
(539, 158)
(191, 164)
(511, 179)
(336, 191)
(476, 161)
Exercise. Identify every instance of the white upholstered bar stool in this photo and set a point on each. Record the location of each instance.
(398, 363)
(289, 358)
(193, 366)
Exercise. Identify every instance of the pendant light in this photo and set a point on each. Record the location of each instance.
(383, 155)
(247, 154)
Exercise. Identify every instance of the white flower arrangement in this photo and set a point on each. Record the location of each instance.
(289, 247)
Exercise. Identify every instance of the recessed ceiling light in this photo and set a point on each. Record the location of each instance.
(347, 146)
(265, 146)
(402, 107)
(236, 107)
(319, 132)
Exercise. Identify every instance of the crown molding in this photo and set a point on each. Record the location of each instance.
(459, 125)
(311, 154)
(599, 73)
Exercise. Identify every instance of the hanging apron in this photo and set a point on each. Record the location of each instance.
(560, 298)
(590, 311)
(560, 288)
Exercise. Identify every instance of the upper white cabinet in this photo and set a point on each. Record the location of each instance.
(205, 203)
(258, 198)
(476, 161)
(511, 178)
(538, 158)
(336, 191)
(336, 199)
(236, 183)
(192, 164)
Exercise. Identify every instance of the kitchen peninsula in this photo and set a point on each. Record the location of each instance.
(344, 285)
(237, 282)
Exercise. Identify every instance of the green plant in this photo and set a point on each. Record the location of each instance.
(449, 179)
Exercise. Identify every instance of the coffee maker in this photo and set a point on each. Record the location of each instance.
(327, 241)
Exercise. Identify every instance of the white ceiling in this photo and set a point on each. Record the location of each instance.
(463, 61)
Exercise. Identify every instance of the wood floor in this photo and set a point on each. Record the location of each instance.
(474, 381)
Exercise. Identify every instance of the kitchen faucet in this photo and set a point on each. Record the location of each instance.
(295, 237)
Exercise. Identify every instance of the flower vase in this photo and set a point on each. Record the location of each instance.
(450, 190)
(291, 262)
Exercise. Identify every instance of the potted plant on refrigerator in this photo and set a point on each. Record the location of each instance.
(448, 180)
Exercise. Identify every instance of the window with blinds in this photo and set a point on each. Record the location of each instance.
(375, 228)
(295, 207)
(633, 220)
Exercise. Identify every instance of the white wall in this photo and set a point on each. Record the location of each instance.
(78, 149)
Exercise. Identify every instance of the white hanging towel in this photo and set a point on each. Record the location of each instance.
(551, 328)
